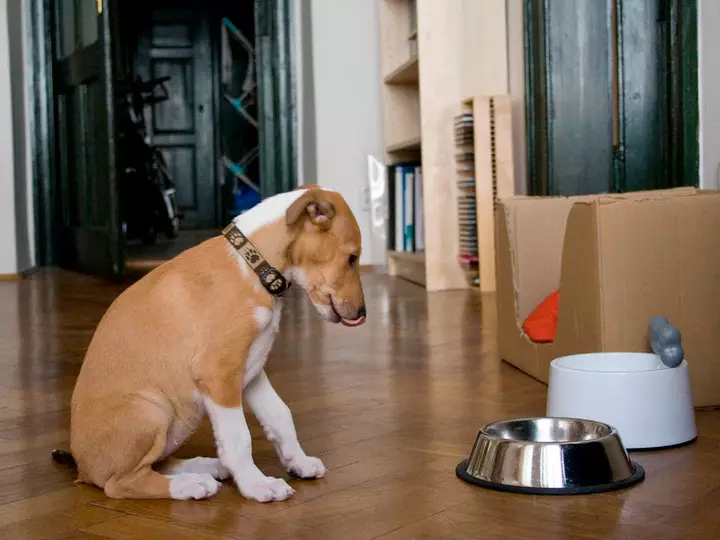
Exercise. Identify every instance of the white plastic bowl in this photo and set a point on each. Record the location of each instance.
(648, 403)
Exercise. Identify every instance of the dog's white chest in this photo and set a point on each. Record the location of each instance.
(269, 323)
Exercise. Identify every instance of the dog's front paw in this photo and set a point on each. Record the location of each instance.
(306, 467)
(267, 490)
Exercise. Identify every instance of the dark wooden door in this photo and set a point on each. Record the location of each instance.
(86, 205)
(176, 43)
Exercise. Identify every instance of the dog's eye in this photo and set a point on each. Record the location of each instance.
(352, 260)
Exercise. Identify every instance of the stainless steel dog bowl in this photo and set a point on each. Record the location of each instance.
(549, 456)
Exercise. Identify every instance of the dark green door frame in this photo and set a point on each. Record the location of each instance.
(44, 134)
(276, 96)
(633, 122)
(42, 127)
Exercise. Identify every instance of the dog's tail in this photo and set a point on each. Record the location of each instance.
(63, 457)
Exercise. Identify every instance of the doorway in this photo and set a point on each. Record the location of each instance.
(223, 122)
(207, 129)
(612, 102)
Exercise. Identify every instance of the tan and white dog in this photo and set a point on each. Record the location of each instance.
(192, 337)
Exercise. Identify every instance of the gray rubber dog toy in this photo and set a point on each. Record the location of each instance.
(666, 341)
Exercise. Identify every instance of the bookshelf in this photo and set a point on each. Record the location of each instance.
(400, 64)
(435, 56)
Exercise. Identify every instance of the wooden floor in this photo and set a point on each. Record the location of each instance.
(140, 259)
(390, 407)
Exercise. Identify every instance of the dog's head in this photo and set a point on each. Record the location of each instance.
(325, 257)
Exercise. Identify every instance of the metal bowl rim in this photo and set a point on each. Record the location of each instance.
(612, 435)
(637, 476)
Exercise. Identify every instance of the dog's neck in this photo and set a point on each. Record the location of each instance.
(265, 225)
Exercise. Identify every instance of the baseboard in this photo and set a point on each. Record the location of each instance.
(18, 276)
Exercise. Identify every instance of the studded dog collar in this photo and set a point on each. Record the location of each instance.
(270, 277)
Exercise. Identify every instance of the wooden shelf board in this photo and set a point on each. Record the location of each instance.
(409, 266)
(414, 256)
(406, 73)
(409, 144)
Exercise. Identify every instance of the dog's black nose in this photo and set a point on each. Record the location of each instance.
(362, 312)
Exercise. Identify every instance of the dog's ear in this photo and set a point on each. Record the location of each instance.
(315, 205)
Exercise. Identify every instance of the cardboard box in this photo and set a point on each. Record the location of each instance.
(617, 260)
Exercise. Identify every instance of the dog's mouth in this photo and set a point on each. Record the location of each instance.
(353, 322)
(337, 318)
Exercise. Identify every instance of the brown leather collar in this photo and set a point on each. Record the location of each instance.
(271, 278)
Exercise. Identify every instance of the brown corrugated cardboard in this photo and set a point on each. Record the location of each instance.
(618, 260)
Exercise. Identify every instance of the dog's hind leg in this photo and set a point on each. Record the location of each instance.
(135, 447)
(198, 465)
(149, 484)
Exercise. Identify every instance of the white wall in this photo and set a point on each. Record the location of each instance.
(516, 76)
(345, 104)
(305, 92)
(709, 92)
(16, 216)
(19, 60)
(8, 247)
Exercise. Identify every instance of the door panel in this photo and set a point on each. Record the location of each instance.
(176, 116)
(176, 43)
(579, 109)
(645, 130)
(180, 160)
(87, 228)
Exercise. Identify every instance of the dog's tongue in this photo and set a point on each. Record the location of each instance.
(356, 322)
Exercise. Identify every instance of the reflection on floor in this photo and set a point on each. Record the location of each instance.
(140, 258)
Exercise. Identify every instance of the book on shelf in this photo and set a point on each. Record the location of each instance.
(419, 226)
(406, 228)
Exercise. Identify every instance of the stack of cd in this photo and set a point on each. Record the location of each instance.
(464, 129)
(465, 156)
(467, 222)
(467, 210)
(466, 183)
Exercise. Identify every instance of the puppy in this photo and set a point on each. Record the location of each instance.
(192, 337)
